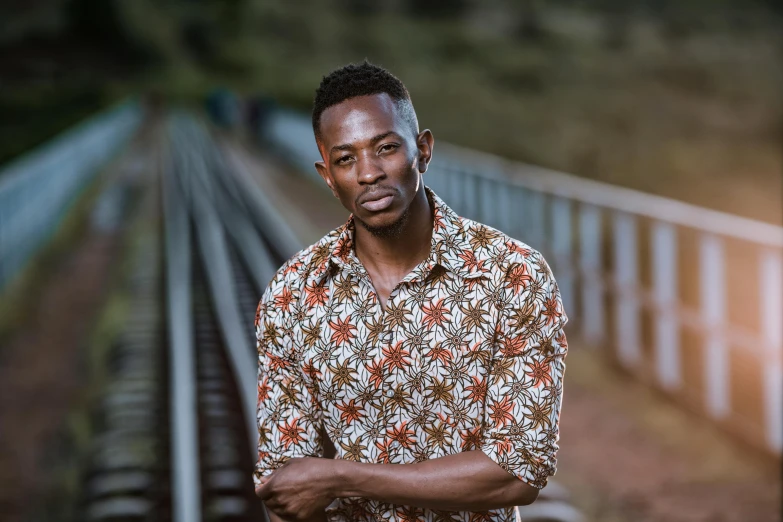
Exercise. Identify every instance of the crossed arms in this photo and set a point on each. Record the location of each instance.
(469, 481)
(475, 480)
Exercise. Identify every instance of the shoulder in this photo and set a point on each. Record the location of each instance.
(521, 277)
(303, 265)
(504, 256)
(531, 299)
(284, 289)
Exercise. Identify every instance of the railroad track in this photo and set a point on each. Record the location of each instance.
(178, 439)
(176, 431)
(219, 262)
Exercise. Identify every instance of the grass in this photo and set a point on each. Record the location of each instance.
(23, 291)
(689, 110)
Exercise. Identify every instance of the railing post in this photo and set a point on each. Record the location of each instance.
(626, 308)
(471, 195)
(458, 191)
(664, 272)
(445, 183)
(505, 193)
(713, 309)
(561, 248)
(592, 309)
(535, 207)
(517, 212)
(432, 178)
(449, 177)
(771, 293)
(489, 203)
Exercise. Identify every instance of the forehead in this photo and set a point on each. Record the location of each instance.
(360, 118)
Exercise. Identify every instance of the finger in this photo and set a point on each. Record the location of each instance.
(264, 491)
(260, 483)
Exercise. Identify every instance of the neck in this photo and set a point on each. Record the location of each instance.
(398, 255)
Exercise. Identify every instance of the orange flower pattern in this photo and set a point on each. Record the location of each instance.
(468, 355)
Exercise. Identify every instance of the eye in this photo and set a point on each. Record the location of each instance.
(342, 160)
(388, 147)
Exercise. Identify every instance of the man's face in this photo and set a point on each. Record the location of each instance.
(373, 160)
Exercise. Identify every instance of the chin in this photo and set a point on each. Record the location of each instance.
(381, 219)
(387, 226)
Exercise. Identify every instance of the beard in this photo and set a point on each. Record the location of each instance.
(392, 230)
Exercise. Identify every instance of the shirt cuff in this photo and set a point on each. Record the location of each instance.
(520, 461)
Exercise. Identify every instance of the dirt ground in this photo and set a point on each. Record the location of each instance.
(629, 455)
(41, 369)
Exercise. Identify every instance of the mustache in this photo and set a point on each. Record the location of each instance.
(368, 194)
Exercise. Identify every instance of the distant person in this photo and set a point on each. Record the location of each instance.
(223, 107)
(258, 111)
(427, 347)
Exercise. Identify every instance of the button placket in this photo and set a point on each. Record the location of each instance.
(387, 338)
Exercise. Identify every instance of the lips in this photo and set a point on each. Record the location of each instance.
(378, 200)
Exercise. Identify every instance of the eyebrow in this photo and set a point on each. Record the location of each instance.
(376, 139)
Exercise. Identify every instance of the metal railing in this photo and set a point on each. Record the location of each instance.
(37, 189)
(688, 299)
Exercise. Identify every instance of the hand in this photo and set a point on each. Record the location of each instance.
(300, 489)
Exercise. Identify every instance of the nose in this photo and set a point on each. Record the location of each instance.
(370, 170)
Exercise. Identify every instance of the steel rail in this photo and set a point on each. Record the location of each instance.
(186, 497)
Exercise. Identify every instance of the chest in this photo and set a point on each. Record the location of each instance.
(430, 342)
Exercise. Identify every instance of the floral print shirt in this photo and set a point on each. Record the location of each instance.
(467, 355)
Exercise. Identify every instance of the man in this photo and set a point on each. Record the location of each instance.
(428, 348)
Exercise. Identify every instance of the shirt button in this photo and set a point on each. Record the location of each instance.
(390, 393)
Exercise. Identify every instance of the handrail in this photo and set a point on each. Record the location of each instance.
(37, 189)
(613, 197)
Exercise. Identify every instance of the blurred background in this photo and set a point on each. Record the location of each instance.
(156, 168)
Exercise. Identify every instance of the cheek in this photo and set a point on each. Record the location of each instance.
(344, 183)
(401, 167)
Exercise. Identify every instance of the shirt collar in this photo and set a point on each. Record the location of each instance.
(449, 247)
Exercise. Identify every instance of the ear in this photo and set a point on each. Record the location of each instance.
(320, 166)
(424, 142)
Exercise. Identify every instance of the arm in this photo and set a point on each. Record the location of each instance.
(288, 417)
(467, 481)
(525, 388)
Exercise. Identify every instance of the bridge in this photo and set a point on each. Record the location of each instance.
(674, 376)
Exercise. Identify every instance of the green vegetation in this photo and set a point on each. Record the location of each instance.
(23, 292)
(679, 98)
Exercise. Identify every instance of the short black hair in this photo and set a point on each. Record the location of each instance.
(359, 79)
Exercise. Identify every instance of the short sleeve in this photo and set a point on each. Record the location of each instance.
(288, 417)
(525, 388)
